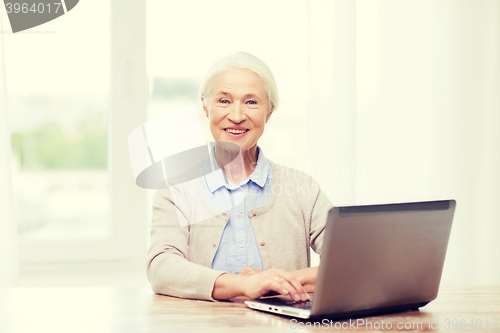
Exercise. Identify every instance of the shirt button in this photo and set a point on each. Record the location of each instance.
(215, 245)
(239, 215)
(239, 189)
(241, 244)
(254, 213)
(262, 243)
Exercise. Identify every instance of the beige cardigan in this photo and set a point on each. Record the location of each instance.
(186, 230)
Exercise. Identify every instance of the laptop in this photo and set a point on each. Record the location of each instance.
(376, 259)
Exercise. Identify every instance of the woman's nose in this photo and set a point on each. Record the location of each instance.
(237, 114)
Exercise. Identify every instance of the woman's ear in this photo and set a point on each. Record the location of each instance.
(268, 116)
(204, 108)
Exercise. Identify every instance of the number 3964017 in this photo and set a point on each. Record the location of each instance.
(25, 8)
(470, 324)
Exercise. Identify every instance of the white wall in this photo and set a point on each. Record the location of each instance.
(426, 115)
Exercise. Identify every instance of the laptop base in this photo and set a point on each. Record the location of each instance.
(279, 306)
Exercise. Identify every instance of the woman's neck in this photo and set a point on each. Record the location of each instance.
(237, 166)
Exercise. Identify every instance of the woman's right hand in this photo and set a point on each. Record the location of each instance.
(277, 280)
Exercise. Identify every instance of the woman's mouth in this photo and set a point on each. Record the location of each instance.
(236, 133)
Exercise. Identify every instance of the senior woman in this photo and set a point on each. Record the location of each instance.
(276, 213)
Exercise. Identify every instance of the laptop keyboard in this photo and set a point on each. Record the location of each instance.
(306, 305)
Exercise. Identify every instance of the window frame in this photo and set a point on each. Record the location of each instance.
(127, 109)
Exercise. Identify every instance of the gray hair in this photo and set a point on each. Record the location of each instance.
(241, 60)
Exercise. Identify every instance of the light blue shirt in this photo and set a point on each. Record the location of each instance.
(238, 247)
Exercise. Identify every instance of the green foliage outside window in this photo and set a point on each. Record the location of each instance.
(84, 148)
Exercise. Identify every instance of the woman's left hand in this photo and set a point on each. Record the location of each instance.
(247, 271)
(308, 274)
(253, 283)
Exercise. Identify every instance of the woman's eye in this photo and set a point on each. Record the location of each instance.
(252, 102)
(224, 101)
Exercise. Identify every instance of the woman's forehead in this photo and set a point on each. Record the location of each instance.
(238, 75)
(236, 80)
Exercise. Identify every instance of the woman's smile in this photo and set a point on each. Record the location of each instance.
(236, 131)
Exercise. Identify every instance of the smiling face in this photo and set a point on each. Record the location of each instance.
(238, 108)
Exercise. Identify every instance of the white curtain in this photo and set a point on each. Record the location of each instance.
(8, 230)
(405, 100)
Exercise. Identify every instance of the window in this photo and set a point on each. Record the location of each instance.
(71, 194)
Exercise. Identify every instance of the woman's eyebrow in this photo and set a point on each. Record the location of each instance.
(251, 96)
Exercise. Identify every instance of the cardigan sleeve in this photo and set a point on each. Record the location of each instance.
(320, 207)
(168, 269)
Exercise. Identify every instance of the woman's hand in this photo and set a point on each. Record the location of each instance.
(255, 283)
(309, 275)
(278, 280)
(247, 271)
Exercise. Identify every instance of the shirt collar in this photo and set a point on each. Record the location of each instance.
(261, 171)
(259, 176)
